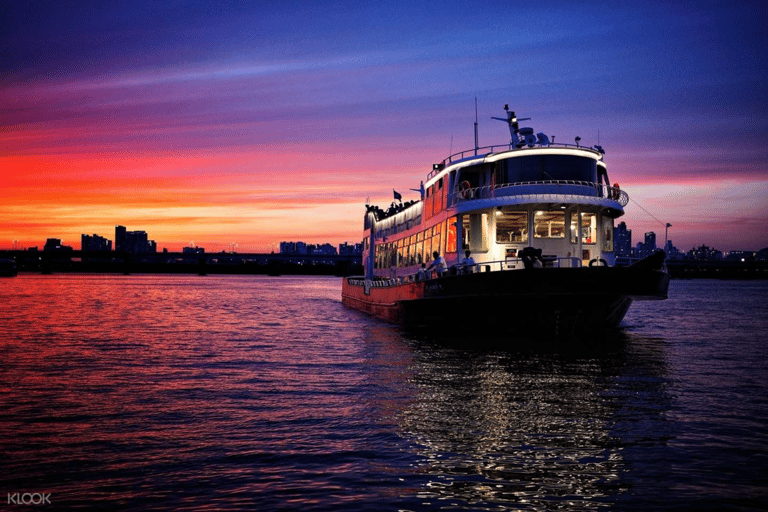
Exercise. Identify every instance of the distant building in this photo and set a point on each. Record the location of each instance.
(673, 253)
(133, 242)
(622, 240)
(646, 247)
(350, 250)
(54, 245)
(94, 243)
(293, 248)
(322, 250)
(303, 249)
(650, 243)
(193, 250)
(704, 253)
(742, 256)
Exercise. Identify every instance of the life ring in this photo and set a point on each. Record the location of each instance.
(615, 191)
(465, 189)
(603, 263)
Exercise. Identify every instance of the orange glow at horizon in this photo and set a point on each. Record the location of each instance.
(254, 199)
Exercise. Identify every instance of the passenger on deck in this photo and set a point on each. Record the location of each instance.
(531, 257)
(467, 265)
(438, 264)
(421, 275)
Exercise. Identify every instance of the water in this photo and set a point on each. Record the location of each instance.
(265, 393)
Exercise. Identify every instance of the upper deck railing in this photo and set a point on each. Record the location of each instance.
(487, 150)
(541, 188)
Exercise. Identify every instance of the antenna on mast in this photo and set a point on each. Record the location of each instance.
(476, 143)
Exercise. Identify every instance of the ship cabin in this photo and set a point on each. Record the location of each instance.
(496, 202)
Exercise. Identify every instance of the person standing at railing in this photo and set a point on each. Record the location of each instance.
(421, 275)
(438, 263)
(467, 265)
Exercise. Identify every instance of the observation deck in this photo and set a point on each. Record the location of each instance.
(507, 150)
(564, 192)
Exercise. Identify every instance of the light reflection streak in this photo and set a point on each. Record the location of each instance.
(536, 432)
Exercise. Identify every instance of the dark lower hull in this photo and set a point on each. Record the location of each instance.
(557, 300)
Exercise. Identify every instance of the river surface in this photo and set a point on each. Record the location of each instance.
(155, 392)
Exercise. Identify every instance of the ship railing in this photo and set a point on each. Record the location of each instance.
(496, 148)
(541, 187)
(481, 267)
(517, 264)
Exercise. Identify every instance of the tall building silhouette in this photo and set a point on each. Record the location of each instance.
(650, 242)
(133, 242)
(94, 243)
(622, 240)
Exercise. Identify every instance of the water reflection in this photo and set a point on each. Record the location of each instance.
(243, 393)
(533, 429)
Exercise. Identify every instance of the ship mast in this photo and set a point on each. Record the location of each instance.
(514, 127)
(476, 143)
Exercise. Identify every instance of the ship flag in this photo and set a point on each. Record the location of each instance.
(398, 197)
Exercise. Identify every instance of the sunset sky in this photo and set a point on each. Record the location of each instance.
(250, 123)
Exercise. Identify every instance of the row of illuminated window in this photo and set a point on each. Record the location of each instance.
(512, 227)
(418, 248)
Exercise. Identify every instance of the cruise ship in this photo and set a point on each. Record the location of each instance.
(512, 237)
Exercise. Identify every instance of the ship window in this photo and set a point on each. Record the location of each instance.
(511, 227)
(588, 228)
(548, 167)
(567, 167)
(476, 232)
(608, 234)
(549, 224)
(450, 230)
